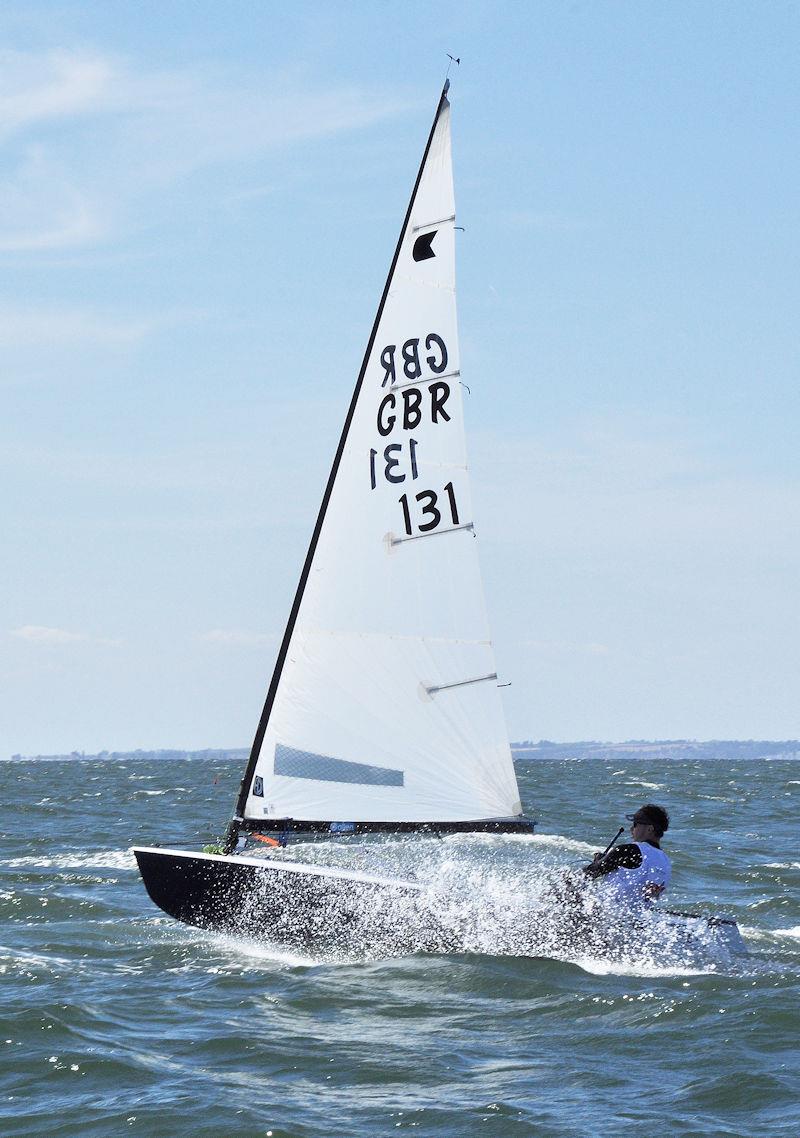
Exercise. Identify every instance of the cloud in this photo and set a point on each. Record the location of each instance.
(38, 87)
(42, 209)
(73, 187)
(543, 221)
(42, 635)
(72, 229)
(566, 648)
(20, 326)
(237, 638)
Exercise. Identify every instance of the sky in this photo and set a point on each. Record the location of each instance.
(198, 206)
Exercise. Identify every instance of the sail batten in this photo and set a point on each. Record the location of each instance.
(350, 728)
(434, 533)
(461, 683)
(427, 379)
(430, 224)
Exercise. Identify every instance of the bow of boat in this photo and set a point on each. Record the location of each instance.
(268, 899)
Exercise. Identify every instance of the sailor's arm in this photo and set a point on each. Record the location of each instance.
(628, 856)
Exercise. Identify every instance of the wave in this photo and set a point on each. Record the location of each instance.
(558, 841)
(793, 933)
(103, 859)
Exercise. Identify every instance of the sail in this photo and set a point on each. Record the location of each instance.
(384, 704)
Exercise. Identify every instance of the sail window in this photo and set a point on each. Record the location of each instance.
(294, 763)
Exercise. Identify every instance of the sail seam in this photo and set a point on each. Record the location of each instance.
(308, 631)
(425, 284)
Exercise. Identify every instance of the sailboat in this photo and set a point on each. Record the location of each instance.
(383, 712)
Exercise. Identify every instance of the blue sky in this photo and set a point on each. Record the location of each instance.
(198, 204)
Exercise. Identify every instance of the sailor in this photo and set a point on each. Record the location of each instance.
(637, 873)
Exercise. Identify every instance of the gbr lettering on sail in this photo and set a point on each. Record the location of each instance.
(404, 409)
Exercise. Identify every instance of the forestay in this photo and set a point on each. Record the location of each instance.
(384, 706)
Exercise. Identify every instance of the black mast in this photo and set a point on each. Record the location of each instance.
(244, 787)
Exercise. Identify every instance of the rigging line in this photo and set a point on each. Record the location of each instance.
(433, 533)
(232, 834)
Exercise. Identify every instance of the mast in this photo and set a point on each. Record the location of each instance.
(235, 824)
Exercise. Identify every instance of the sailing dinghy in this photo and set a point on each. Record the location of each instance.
(383, 712)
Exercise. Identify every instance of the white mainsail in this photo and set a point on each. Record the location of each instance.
(384, 706)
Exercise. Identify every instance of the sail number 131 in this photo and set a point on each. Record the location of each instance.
(430, 513)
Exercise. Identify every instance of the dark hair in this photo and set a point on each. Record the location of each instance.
(656, 816)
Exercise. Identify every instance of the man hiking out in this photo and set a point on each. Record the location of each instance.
(637, 873)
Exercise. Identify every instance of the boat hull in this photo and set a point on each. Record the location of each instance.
(335, 913)
(297, 907)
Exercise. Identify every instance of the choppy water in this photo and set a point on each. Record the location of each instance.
(116, 1020)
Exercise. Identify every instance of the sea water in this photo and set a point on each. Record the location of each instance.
(116, 1019)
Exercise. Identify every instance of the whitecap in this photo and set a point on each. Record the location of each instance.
(255, 951)
(561, 842)
(103, 859)
(601, 967)
(32, 959)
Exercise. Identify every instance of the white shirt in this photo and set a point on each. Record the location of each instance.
(640, 886)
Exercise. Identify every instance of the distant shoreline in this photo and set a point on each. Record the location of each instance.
(526, 751)
(660, 749)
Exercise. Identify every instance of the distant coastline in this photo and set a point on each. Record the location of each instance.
(526, 751)
(659, 749)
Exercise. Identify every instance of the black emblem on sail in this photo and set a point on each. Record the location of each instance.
(258, 787)
(422, 246)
